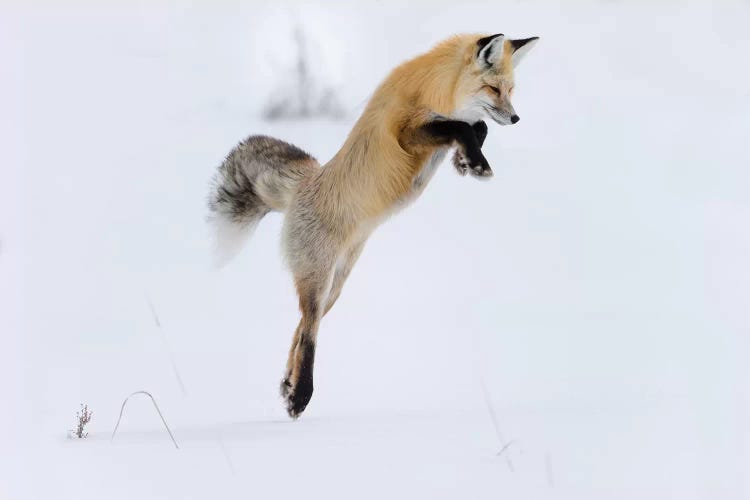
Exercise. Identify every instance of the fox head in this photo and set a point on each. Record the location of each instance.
(486, 86)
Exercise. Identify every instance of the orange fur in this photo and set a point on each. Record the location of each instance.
(374, 169)
(376, 166)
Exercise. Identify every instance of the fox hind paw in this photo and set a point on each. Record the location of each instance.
(296, 397)
(284, 387)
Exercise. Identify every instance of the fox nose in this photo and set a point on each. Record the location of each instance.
(514, 119)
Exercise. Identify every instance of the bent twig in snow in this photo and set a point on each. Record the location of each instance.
(117, 425)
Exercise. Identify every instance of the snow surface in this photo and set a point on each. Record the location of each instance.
(597, 286)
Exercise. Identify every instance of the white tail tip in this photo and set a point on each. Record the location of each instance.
(229, 238)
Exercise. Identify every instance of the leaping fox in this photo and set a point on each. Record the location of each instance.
(423, 108)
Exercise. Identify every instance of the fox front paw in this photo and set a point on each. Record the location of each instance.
(460, 163)
(477, 167)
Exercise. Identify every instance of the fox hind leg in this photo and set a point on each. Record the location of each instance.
(317, 293)
(297, 385)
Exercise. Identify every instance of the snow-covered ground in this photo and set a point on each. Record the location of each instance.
(598, 288)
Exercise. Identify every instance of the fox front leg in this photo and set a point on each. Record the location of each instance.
(459, 159)
(448, 132)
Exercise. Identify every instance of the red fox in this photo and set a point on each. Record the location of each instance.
(422, 109)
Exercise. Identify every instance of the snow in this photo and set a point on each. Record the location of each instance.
(598, 285)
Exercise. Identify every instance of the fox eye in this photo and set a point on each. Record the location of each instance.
(494, 89)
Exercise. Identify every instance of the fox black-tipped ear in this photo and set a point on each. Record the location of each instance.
(521, 48)
(490, 50)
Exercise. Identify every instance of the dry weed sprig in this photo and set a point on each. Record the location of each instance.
(84, 417)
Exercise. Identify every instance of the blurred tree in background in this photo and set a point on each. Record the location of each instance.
(300, 94)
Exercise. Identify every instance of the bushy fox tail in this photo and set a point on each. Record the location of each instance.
(261, 174)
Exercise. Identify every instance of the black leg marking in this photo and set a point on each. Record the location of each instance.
(480, 129)
(465, 159)
(449, 131)
(299, 396)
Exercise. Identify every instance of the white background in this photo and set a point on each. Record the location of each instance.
(598, 285)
